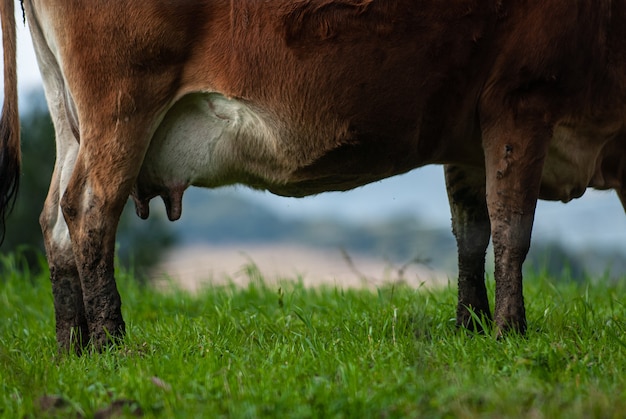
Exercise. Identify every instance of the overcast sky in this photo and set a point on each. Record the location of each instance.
(28, 73)
(597, 218)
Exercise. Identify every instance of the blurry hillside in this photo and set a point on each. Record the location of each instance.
(226, 217)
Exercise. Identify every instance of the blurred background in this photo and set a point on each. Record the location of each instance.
(399, 227)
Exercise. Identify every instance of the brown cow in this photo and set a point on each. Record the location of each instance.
(521, 99)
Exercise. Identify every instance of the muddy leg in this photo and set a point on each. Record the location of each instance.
(470, 225)
(71, 324)
(92, 225)
(515, 149)
(106, 167)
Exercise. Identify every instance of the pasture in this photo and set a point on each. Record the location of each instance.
(288, 351)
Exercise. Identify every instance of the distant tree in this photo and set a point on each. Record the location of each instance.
(140, 243)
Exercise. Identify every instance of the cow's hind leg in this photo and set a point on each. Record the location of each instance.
(107, 165)
(71, 324)
(92, 226)
(515, 147)
(470, 225)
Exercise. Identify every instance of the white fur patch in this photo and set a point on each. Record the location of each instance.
(209, 140)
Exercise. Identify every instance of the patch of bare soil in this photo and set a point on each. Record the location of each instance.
(190, 268)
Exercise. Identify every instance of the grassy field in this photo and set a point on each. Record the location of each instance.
(287, 351)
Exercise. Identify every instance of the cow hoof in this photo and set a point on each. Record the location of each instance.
(510, 327)
(108, 337)
(476, 324)
(71, 339)
(473, 319)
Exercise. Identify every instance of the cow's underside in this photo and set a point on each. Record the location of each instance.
(206, 140)
(520, 102)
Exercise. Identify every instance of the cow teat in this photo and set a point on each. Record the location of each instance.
(142, 207)
(173, 200)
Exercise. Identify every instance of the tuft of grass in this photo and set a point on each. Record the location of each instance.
(289, 351)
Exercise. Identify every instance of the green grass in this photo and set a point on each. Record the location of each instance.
(270, 351)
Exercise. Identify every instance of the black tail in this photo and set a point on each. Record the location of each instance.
(10, 153)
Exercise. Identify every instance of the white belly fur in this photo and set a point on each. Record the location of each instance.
(209, 140)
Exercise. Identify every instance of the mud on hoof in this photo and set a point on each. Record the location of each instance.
(475, 319)
(72, 339)
(107, 335)
(79, 341)
(506, 326)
